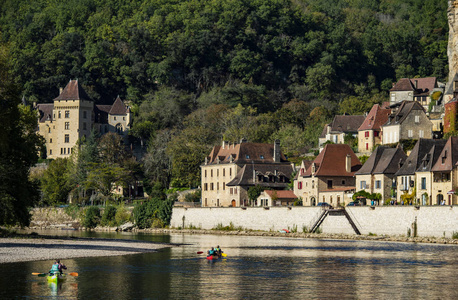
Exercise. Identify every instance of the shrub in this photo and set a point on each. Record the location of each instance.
(455, 235)
(122, 215)
(72, 210)
(92, 217)
(108, 218)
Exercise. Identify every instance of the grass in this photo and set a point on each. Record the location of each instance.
(230, 227)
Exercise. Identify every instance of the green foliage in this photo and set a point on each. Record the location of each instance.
(155, 209)
(18, 150)
(254, 192)
(363, 159)
(91, 217)
(193, 197)
(54, 182)
(455, 235)
(229, 227)
(122, 215)
(108, 217)
(72, 210)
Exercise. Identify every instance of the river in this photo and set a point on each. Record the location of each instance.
(255, 268)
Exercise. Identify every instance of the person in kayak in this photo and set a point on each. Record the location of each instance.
(218, 251)
(57, 267)
(211, 252)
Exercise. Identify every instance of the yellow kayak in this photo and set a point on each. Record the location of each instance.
(56, 278)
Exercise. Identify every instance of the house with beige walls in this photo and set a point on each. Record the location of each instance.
(73, 115)
(405, 176)
(415, 89)
(445, 174)
(370, 131)
(276, 198)
(231, 169)
(377, 173)
(424, 174)
(329, 178)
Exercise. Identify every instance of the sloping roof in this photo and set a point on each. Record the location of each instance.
(247, 175)
(324, 131)
(73, 91)
(375, 118)
(430, 158)
(331, 161)
(402, 112)
(281, 194)
(243, 153)
(346, 123)
(391, 161)
(45, 111)
(404, 84)
(448, 157)
(118, 107)
(422, 147)
(371, 162)
(424, 86)
(101, 113)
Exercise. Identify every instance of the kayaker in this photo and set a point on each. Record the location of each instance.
(57, 267)
(218, 251)
(211, 252)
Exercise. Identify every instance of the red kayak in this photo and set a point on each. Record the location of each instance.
(213, 257)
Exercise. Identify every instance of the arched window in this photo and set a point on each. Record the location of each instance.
(119, 129)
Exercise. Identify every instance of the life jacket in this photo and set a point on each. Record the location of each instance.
(211, 252)
(54, 269)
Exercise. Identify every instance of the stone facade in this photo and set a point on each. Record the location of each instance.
(73, 115)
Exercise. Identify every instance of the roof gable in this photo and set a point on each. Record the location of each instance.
(118, 107)
(405, 108)
(448, 157)
(346, 123)
(331, 161)
(73, 91)
(375, 118)
(404, 84)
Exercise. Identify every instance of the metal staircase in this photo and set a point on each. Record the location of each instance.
(334, 212)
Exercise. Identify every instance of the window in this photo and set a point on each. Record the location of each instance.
(205, 172)
(114, 118)
(423, 183)
(224, 186)
(224, 172)
(205, 186)
(211, 173)
(366, 134)
(410, 133)
(420, 133)
(84, 126)
(61, 151)
(67, 125)
(299, 185)
(262, 156)
(230, 172)
(417, 119)
(211, 186)
(343, 181)
(217, 172)
(378, 184)
(367, 146)
(50, 141)
(235, 191)
(67, 114)
(49, 130)
(67, 138)
(329, 184)
(59, 114)
(247, 156)
(376, 133)
(231, 191)
(85, 114)
(50, 152)
(363, 185)
(119, 129)
(123, 118)
(217, 186)
(313, 184)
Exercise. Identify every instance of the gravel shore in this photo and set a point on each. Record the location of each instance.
(47, 248)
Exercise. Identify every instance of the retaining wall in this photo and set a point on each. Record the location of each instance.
(432, 221)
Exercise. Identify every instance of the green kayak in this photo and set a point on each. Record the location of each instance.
(56, 278)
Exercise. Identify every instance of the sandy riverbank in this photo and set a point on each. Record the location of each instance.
(19, 249)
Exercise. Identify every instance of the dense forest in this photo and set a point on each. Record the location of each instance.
(199, 71)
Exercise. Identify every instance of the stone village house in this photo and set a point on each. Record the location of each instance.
(377, 173)
(370, 131)
(73, 115)
(231, 169)
(340, 126)
(445, 174)
(330, 177)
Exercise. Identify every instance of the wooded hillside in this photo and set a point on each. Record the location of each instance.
(200, 71)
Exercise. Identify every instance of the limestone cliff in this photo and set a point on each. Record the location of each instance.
(452, 49)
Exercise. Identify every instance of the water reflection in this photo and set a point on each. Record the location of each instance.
(256, 267)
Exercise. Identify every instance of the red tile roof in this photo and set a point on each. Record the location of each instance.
(404, 84)
(376, 118)
(73, 91)
(118, 107)
(243, 153)
(331, 161)
(281, 194)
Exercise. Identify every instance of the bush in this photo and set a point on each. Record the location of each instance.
(155, 208)
(122, 215)
(72, 210)
(91, 217)
(108, 218)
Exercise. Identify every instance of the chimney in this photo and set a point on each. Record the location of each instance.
(277, 151)
(348, 163)
(61, 89)
(416, 84)
(224, 144)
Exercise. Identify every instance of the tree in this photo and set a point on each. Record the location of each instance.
(254, 192)
(19, 146)
(54, 182)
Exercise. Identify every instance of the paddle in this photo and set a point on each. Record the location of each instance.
(45, 274)
(200, 252)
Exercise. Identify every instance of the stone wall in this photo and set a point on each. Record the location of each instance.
(432, 221)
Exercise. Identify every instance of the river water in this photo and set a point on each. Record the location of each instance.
(255, 268)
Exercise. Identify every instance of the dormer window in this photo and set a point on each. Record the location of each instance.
(247, 156)
(261, 156)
